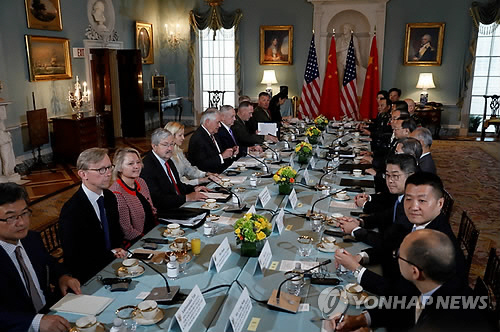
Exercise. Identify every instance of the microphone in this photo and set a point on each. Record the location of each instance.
(322, 198)
(327, 172)
(263, 163)
(274, 151)
(240, 208)
(290, 302)
(159, 294)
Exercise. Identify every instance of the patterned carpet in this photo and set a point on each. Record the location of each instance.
(471, 173)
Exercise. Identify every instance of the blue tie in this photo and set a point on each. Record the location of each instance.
(395, 209)
(104, 222)
(231, 133)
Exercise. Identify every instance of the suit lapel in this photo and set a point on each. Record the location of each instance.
(10, 270)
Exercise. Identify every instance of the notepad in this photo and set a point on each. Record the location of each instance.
(82, 304)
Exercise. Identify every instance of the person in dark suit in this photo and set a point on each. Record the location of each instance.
(261, 113)
(409, 146)
(204, 151)
(243, 136)
(423, 201)
(226, 137)
(426, 259)
(426, 52)
(27, 270)
(91, 236)
(160, 174)
(425, 163)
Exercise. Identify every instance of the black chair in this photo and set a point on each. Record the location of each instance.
(50, 238)
(467, 238)
(448, 205)
(490, 286)
(216, 98)
(494, 118)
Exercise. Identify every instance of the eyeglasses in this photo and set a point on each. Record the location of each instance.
(395, 255)
(102, 170)
(394, 177)
(12, 219)
(167, 144)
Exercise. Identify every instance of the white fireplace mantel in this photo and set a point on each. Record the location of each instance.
(367, 16)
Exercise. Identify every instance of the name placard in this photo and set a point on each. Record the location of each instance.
(220, 255)
(306, 177)
(264, 197)
(278, 221)
(265, 256)
(241, 311)
(251, 209)
(292, 199)
(312, 163)
(190, 309)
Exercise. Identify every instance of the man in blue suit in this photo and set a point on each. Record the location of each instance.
(27, 269)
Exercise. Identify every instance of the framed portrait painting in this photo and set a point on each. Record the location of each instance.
(44, 14)
(48, 58)
(144, 41)
(276, 44)
(423, 44)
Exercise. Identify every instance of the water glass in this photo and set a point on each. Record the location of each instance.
(305, 245)
(317, 224)
(294, 285)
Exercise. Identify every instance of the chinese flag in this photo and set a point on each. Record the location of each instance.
(330, 95)
(368, 109)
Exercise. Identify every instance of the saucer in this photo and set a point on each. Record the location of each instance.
(358, 176)
(321, 187)
(167, 233)
(123, 273)
(335, 197)
(182, 259)
(239, 189)
(215, 207)
(173, 247)
(320, 247)
(142, 321)
(99, 328)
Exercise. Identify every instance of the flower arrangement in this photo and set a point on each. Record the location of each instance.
(304, 152)
(321, 120)
(285, 175)
(313, 132)
(251, 228)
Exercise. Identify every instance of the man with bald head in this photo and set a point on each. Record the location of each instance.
(411, 110)
(426, 258)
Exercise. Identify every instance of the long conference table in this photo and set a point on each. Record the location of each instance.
(220, 301)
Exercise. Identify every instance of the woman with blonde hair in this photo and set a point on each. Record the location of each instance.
(188, 173)
(137, 213)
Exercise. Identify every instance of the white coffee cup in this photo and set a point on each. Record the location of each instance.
(328, 242)
(354, 292)
(174, 228)
(269, 155)
(87, 324)
(210, 202)
(342, 195)
(132, 265)
(148, 309)
(357, 172)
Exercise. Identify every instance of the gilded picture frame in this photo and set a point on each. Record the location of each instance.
(423, 44)
(48, 58)
(276, 44)
(144, 41)
(44, 14)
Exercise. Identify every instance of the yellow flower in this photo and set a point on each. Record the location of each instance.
(261, 219)
(283, 179)
(237, 231)
(248, 216)
(276, 177)
(257, 224)
(261, 236)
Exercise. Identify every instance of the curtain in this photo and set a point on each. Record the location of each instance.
(487, 14)
(215, 18)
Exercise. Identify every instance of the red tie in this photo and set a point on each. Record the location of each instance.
(172, 179)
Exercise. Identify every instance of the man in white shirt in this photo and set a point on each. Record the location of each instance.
(27, 269)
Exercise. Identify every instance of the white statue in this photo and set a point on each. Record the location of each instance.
(7, 158)
(99, 17)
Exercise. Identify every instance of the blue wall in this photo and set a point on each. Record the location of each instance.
(174, 63)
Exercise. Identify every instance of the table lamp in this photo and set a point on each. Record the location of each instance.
(269, 78)
(425, 81)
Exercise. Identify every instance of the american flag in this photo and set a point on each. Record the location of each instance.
(348, 96)
(310, 97)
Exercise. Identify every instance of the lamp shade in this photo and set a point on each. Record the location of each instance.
(269, 77)
(425, 81)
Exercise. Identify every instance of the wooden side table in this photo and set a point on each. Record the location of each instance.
(431, 117)
(166, 103)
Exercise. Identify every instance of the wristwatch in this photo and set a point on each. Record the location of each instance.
(357, 271)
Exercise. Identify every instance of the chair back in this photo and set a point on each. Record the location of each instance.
(51, 241)
(490, 286)
(494, 119)
(467, 238)
(448, 205)
(216, 98)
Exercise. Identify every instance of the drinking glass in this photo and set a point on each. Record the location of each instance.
(305, 245)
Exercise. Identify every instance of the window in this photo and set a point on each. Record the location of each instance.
(486, 79)
(217, 69)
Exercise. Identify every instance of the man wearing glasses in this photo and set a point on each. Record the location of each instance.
(89, 222)
(159, 172)
(27, 269)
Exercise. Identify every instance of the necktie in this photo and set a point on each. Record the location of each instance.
(419, 309)
(30, 285)
(232, 136)
(414, 228)
(395, 209)
(215, 143)
(104, 222)
(172, 179)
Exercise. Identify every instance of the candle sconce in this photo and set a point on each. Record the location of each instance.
(79, 98)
